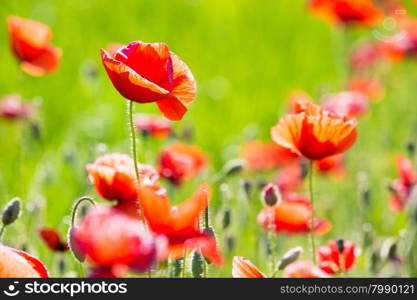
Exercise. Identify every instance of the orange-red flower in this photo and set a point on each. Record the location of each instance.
(113, 176)
(15, 263)
(337, 256)
(261, 155)
(401, 187)
(244, 268)
(31, 44)
(179, 224)
(332, 165)
(179, 162)
(304, 269)
(53, 240)
(12, 107)
(346, 104)
(152, 125)
(372, 88)
(292, 215)
(150, 72)
(314, 133)
(114, 242)
(346, 12)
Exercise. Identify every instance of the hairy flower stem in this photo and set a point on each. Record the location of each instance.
(77, 203)
(310, 187)
(133, 138)
(184, 265)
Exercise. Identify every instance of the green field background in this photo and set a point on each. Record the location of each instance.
(246, 56)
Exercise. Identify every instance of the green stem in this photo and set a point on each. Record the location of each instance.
(310, 187)
(133, 138)
(1, 231)
(79, 201)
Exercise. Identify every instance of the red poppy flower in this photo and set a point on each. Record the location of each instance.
(401, 187)
(18, 264)
(244, 268)
(179, 162)
(371, 88)
(366, 56)
(346, 12)
(153, 126)
(261, 155)
(347, 103)
(337, 256)
(30, 43)
(292, 215)
(12, 107)
(113, 241)
(149, 72)
(53, 240)
(179, 224)
(290, 177)
(304, 269)
(113, 176)
(332, 165)
(314, 132)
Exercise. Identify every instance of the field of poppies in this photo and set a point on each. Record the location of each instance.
(208, 138)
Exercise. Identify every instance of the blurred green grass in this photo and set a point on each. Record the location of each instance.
(246, 55)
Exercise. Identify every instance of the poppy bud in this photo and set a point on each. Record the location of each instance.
(271, 195)
(176, 267)
(340, 245)
(304, 169)
(11, 212)
(75, 249)
(389, 249)
(289, 257)
(367, 235)
(226, 218)
(375, 262)
(411, 148)
(247, 187)
(197, 266)
(233, 167)
(62, 266)
(35, 130)
(230, 243)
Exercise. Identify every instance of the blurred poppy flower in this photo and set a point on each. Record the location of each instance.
(331, 165)
(153, 126)
(30, 43)
(179, 162)
(261, 155)
(53, 240)
(150, 72)
(372, 88)
(113, 176)
(337, 256)
(290, 177)
(18, 264)
(12, 107)
(401, 187)
(304, 269)
(292, 215)
(347, 12)
(366, 56)
(314, 133)
(347, 103)
(244, 268)
(179, 224)
(114, 242)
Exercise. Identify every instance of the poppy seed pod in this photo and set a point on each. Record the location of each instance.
(197, 265)
(289, 257)
(78, 254)
(233, 167)
(11, 212)
(271, 195)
